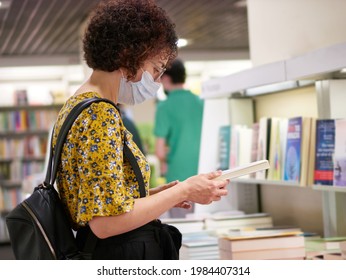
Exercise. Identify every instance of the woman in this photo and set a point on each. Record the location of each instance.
(127, 43)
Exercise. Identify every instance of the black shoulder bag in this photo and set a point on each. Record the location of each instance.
(39, 227)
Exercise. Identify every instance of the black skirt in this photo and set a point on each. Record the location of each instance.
(153, 241)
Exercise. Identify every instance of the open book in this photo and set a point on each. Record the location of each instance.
(244, 170)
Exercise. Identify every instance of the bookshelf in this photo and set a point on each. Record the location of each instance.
(23, 139)
(312, 85)
(266, 182)
(329, 188)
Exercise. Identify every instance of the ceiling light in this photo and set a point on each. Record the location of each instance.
(182, 42)
(5, 4)
(240, 4)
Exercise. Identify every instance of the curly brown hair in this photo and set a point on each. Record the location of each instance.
(125, 33)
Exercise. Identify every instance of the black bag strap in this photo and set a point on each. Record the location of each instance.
(130, 156)
(53, 165)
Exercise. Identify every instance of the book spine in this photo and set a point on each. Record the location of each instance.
(293, 150)
(325, 144)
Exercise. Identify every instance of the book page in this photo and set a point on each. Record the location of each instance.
(244, 170)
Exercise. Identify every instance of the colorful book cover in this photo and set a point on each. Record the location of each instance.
(325, 141)
(277, 148)
(21, 97)
(224, 146)
(340, 153)
(293, 149)
(263, 144)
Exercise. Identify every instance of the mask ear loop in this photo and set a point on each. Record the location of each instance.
(150, 75)
(122, 74)
(132, 76)
(142, 72)
(141, 77)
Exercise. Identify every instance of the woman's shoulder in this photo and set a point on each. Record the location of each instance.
(102, 108)
(96, 112)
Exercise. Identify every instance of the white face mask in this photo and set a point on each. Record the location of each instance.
(132, 93)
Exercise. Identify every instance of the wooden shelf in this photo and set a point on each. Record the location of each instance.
(329, 188)
(266, 182)
(3, 213)
(10, 183)
(31, 107)
(20, 134)
(287, 184)
(23, 159)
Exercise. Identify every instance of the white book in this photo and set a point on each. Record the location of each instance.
(247, 221)
(185, 225)
(244, 170)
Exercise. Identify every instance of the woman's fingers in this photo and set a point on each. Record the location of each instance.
(184, 204)
(171, 184)
(204, 190)
(214, 174)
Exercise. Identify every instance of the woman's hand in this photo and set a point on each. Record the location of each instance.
(163, 187)
(200, 189)
(184, 205)
(203, 189)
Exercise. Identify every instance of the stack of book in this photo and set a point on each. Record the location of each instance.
(343, 249)
(325, 248)
(201, 245)
(222, 224)
(186, 225)
(333, 256)
(262, 245)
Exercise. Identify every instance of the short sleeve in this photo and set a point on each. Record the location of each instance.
(162, 123)
(97, 160)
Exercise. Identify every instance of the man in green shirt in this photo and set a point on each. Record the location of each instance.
(178, 124)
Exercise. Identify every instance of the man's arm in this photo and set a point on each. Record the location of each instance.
(161, 153)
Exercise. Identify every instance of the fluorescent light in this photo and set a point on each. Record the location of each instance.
(182, 42)
(287, 85)
(35, 73)
(271, 88)
(240, 4)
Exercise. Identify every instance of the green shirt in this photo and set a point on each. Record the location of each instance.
(178, 119)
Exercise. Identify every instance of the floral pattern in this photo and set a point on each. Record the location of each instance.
(94, 179)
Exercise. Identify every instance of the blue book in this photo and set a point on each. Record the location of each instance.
(293, 150)
(325, 145)
(224, 146)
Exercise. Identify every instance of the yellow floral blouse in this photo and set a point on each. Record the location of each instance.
(94, 179)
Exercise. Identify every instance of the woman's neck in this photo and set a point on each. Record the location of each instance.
(104, 83)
